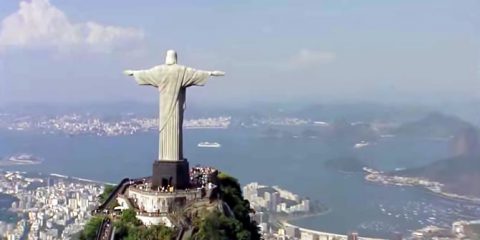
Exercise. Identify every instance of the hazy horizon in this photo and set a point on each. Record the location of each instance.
(332, 101)
(274, 51)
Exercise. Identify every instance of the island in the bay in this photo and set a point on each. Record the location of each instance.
(449, 177)
(453, 177)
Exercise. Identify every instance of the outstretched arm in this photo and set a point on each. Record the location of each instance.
(143, 77)
(217, 73)
(129, 72)
(195, 77)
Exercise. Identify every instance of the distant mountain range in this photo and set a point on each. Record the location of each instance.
(460, 173)
(434, 125)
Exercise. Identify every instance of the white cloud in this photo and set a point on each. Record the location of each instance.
(307, 57)
(39, 24)
(303, 58)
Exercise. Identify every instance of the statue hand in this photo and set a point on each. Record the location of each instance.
(128, 72)
(217, 73)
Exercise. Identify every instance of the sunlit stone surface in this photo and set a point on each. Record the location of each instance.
(172, 80)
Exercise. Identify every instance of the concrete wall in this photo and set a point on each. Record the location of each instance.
(154, 220)
(155, 203)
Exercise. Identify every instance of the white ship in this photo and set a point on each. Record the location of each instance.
(24, 158)
(209, 145)
(361, 144)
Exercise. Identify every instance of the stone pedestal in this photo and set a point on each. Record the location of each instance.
(173, 173)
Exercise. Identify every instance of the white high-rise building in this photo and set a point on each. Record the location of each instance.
(274, 201)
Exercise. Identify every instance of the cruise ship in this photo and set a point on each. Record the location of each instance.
(361, 144)
(24, 158)
(209, 145)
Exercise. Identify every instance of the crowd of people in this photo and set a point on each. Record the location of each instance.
(202, 176)
(147, 186)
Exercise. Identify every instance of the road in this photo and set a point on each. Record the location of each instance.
(106, 230)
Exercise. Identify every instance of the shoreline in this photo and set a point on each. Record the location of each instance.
(325, 234)
(451, 196)
(80, 179)
(13, 163)
(287, 222)
(61, 176)
(425, 184)
(302, 216)
(105, 134)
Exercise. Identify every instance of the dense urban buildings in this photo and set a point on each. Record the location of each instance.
(75, 124)
(48, 206)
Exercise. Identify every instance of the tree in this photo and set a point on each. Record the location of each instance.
(90, 230)
(106, 192)
(155, 232)
(129, 217)
(216, 226)
(233, 223)
(128, 227)
(231, 193)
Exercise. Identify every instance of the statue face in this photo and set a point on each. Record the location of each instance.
(171, 57)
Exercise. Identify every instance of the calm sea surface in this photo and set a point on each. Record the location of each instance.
(292, 163)
(5, 203)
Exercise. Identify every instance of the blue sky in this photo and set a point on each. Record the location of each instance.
(336, 50)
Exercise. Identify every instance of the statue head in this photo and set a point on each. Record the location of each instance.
(171, 57)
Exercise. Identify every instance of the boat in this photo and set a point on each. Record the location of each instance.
(24, 158)
(361, 144)
(209, 144)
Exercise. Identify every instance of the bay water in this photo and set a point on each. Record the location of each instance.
(296, 164)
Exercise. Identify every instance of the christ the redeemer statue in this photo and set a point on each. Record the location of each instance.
(172, 81)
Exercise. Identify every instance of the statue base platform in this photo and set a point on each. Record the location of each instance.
(170, 173)
(155, 205)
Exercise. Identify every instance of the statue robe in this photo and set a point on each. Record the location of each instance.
(171, 81)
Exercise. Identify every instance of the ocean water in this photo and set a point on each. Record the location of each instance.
(5, 203)
(296, 164)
